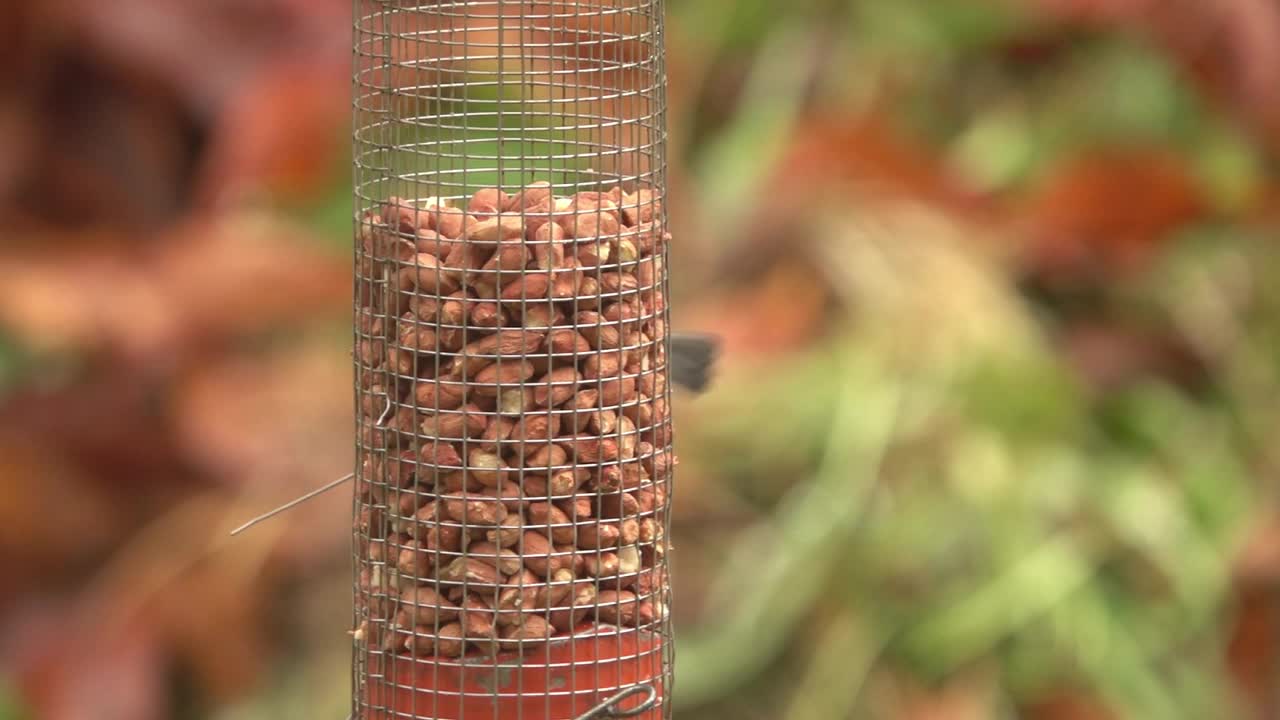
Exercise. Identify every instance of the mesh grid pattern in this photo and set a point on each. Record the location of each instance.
(513, 438)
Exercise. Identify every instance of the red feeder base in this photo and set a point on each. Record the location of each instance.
(561, 682)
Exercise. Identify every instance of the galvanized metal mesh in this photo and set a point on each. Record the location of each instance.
(513, 438)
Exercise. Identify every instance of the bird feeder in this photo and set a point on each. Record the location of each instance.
(513, 436)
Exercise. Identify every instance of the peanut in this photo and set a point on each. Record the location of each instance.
(557, 587)
(620, 284)
(598, 536)
(470, 511)
(566, 280)
(457, 482)
(478, 354)
(535, 487)
(649, 531)
(548, 245)
(529, 286)
(437, 395)
(580, 601)
(488, 200)
(629, 560)
(581, 405)
(504, 560)
(532, 432)
(432, 242)
(486, 467)
(649, 273)
(487, 314)
(593, 450)
(617, 391)
(541, 316)
(509, 371)
(509, 257)
(477, 622)
(627, 251)
(568, 342)
(544, 514)
(424, 274)
(471, 572)
(545, 457)
(602, 422)
(567, 481)
(529, 196)
(629, 531)
(499, 229)
(617, 505)
(649, 583)
(578, 507)
(621, 607)
(640, 207)
(536, 550)
(400, 215)
(508, 533)
(424, 606)
(593, 253)
(415, 560)
(590, 223)
(650, 499)
(469, 421)
(450, 222)
(628, 437)
(516, 400)
(448, 641)
(599, 334)
(556, 387)
(601, 566)
(517, 597)
(434, 535)
(531, 632)
(439, 454)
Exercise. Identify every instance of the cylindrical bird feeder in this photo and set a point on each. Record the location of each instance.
(511, 340)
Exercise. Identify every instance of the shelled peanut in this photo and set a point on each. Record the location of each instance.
(514, 428)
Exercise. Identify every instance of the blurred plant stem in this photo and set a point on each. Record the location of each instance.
(1031, 588)
(846, 652)
(778, 569)
(734, 167)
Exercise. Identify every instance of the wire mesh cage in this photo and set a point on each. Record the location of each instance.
(511, 359)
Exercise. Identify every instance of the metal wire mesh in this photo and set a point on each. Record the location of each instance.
(513, 441)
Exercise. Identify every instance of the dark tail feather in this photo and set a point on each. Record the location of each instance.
(692, 357)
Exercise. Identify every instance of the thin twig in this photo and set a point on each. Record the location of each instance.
(314, 493)
(293, 503)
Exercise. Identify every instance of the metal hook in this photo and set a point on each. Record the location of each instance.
(609, 709)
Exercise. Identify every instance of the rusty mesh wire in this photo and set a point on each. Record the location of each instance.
(513, 441)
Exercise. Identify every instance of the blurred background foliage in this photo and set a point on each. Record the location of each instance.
(992, 436)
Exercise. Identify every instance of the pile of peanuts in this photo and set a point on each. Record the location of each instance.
(514, 435)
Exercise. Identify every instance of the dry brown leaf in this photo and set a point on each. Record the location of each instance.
(239, 417)
(207, 283)
(283, 133)
(867, 154)
(1109, 211)
(104, 672)
(246, 275)
(782, 311)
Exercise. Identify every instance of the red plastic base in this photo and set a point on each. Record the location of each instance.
(561, 682)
